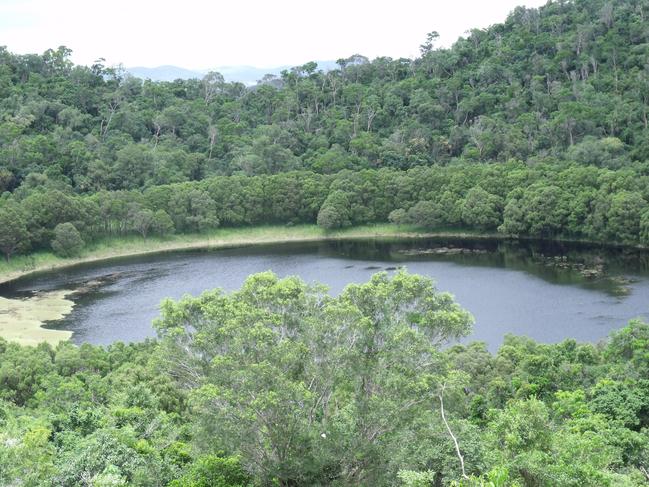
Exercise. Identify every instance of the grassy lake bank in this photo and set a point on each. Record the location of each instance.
(111, 248)
(133, 245)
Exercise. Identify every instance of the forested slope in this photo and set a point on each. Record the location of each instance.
(534, 98)
(568, 80)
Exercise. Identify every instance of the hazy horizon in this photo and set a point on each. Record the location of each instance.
(258, 34)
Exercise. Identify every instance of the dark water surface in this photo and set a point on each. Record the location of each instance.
(546, 291)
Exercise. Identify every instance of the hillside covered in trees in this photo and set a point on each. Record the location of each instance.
(567, 81)
(553, 103)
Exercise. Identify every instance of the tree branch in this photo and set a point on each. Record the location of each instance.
(450, 432)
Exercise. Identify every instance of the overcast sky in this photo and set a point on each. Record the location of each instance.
(198, 34)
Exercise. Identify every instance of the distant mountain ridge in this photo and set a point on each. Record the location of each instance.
(164, 73)
(248, 75)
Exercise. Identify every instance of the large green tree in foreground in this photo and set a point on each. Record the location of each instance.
(312, 388)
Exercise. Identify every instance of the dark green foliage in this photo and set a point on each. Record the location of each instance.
(13, 236)
(67, 241)
(192, 210)
(335, 211)
(142, 221)
(162, 223)
(398, 216)
(536, 126)
(546, 201)
(541, 210)
(214, 471)
(425, 214)
(481, 209)
(302, 377)
(550, 82)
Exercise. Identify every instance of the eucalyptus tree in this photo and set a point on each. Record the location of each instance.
(306, 386)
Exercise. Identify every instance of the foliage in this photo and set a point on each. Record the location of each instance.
(546, 201)
(556, 81)
(335, 211)
(305, 385)
(537, 126)
(214, 471)
(14, 233)
(67, 241)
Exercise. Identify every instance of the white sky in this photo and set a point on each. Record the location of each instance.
(198, 34)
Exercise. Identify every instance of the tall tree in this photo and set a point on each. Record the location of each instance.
(14, 235)
(306, 385)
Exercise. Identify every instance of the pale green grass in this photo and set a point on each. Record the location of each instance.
(21, 319)
(225, 237)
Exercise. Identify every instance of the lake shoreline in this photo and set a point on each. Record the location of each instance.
(259, 236)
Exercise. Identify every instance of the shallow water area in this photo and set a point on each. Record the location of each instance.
(21, 319)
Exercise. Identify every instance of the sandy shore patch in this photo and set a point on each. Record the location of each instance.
(21, 320)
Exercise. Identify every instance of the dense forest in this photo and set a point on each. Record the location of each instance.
(535, 127)
(567, 81)
(545, 201)
(281, 384)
